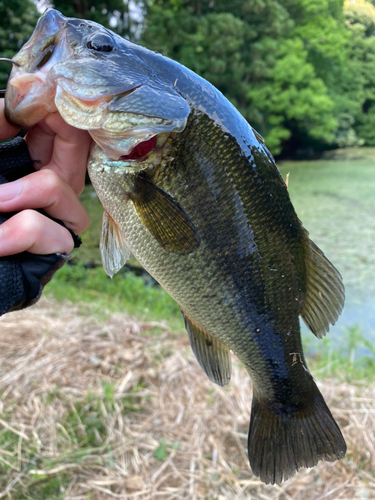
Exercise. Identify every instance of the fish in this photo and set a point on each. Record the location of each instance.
(191, 190)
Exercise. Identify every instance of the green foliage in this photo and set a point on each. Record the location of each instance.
(302, 72)
(18, 19)
(295, 99)
(269, 58)
(344, 362)
(357, 89)
(52, 488)
(161, 452)
(114, 14)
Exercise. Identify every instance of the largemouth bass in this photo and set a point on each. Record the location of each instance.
(189, 187)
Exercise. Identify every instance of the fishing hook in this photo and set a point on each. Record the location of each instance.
(6, 59)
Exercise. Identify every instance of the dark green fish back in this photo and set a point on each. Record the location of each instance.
(245, 217)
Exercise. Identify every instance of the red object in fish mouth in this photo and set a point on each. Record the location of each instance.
(141, 150)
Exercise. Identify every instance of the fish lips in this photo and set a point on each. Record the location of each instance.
(31, 88)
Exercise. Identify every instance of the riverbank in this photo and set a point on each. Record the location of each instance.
(96, 405)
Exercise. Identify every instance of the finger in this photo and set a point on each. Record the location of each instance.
(45, 189)
(40, 140)
(33, 232)
(62, 148)
(6, 130)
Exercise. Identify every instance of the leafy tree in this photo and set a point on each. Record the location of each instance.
(295, 102)
(114, 14)
(358, 83)
(18, 19)
(302, 72)
(255, 53)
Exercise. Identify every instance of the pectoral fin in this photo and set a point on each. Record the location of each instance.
(325, 292)
(113, 248)
(212, 355)
(164, 218)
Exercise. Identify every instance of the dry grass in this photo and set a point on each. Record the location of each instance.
(107, 409)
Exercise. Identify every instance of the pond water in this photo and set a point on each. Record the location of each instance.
(336, 202)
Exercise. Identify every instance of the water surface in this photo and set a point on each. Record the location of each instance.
(335, 200)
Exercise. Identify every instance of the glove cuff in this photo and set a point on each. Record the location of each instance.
(23, 276)
(15, 161)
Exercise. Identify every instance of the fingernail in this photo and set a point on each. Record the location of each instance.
(10, 190)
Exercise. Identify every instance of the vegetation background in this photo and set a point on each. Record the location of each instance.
(302, 72)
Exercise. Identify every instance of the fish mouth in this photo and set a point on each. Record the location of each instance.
(141, 151)
(112, 94)
(31, 89)
(145, 155)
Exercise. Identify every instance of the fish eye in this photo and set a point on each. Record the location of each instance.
(101, 43)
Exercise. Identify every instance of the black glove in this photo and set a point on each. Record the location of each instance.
(23, 276)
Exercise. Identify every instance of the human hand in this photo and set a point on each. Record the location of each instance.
(61, 151)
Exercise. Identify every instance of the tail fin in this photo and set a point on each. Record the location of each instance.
(284, 438)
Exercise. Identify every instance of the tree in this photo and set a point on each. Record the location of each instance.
(18, 19)
(358, 83)
(118, 15)
(253, 52)
(295, 104)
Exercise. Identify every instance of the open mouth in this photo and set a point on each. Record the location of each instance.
(141, 150)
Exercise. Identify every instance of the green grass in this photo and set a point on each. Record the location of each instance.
(347, 361)
(82, 435)
(125, 292)
(89, 252)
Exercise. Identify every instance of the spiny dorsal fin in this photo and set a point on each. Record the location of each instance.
(325, 292)
(113, 248)
(212, 355)
(164, 218)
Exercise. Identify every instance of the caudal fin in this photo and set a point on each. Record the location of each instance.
(284, 438)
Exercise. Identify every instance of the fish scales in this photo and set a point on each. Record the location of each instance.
(190, 188)
(217, 293)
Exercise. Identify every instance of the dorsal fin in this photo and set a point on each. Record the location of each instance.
(325, 292)
(113, 248)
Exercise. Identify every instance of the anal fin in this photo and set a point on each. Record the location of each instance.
(113, 248)
(212, 355)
